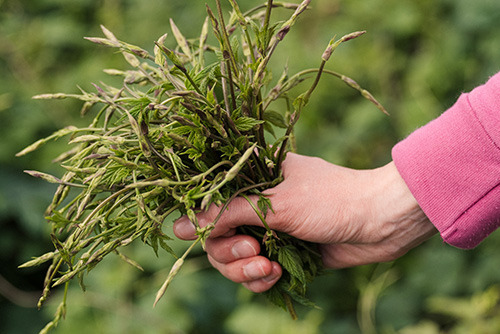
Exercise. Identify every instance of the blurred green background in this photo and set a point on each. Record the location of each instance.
(416, 58)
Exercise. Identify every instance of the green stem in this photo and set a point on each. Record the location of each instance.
(226, 70)
(250, 45)
(225, 38)
(51, 272)
(275, 4)
(195, 86)
(235, 194)
(260, 116)
(290, 83)
(266, 23)
(243, 23)
(174, 166)
(316, 81)
(285, 28)
(203, 39)
(168, 183)
(101, 205)
(231, 174)
(258, 212)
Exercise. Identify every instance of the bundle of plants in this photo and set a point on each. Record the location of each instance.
(191, 125)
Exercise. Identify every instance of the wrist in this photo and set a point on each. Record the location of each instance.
(398, 218)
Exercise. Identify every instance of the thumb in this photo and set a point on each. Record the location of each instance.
(237, 213)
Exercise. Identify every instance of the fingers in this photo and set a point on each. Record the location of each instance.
(265, 283)
(257, 273)
(184, 229)
(237, 258)
(225, 250)
(243, 270)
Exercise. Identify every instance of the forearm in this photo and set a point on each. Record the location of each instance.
(452, 167)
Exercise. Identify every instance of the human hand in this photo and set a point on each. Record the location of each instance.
(356, 216)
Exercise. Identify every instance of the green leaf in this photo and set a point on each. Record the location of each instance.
(275, 118)
(289, 258)
(269, 128)
(240, 143)
(264, 204)
(210, 96)
(228, 151)
(245, 123)
(298, 297)
(165, 246)
(153, 241)
(275, 296)
(59, 220)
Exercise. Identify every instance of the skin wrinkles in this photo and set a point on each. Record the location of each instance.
(356, 216)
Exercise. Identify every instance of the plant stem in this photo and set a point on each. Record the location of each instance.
(257, 211)
(266, 24)
(231, 174)
(243, 23)
(233, 196)
(227, 47)
(226, 70)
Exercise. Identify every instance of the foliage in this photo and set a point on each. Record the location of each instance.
(178, 135)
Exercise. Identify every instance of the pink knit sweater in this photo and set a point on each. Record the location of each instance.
(452, 167)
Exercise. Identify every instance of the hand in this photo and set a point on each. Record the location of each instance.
(357, 217)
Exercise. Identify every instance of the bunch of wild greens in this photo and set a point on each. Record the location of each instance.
(181, 133)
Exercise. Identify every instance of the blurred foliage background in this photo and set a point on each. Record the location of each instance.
(416, 58)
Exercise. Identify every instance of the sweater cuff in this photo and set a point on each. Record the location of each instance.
(452, 167)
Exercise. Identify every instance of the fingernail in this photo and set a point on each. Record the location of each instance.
(243, 249)
(270, 278)
(183, 228)
(275, 274)
(254, 270)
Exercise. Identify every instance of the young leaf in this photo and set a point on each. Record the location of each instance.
(291, 261)
(275, 118)
(247, 123)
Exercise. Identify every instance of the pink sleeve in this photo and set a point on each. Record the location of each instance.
(452, 167)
